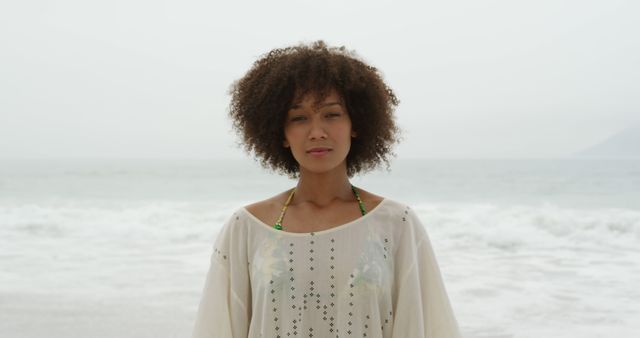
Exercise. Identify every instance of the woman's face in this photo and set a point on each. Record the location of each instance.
(324, 126)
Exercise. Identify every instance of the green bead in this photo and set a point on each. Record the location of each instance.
(360, 204)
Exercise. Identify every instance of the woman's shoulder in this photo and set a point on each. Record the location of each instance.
(370, 200)
(265, 210)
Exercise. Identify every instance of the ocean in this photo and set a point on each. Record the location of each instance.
(120, 248)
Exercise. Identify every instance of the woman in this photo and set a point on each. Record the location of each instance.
(325, 258)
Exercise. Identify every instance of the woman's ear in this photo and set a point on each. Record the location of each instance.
(285, 144)
(354, 134)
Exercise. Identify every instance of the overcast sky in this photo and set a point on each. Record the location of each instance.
(476, 79)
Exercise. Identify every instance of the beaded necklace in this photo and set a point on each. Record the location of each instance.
(278, 224)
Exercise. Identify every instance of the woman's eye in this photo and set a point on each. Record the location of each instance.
(333, 114)
(297, 118)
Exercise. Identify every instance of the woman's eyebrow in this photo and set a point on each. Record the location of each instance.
(326, 104)
(322, 105)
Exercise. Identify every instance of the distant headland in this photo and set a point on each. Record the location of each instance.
(623, 145)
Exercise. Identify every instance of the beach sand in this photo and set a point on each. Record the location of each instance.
(43, 315)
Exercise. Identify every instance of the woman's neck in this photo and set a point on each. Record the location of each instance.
(323, 189)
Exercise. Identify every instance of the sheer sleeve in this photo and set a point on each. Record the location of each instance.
(224, 310)
(422, 307)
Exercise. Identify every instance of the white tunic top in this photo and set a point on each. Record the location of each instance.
(374, 277)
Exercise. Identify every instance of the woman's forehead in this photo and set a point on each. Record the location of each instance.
(316, 98)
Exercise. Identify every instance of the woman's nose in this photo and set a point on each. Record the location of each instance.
(317, 129)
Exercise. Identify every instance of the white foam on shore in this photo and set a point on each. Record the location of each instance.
(546, 271)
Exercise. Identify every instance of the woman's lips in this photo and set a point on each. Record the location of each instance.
(319, 152)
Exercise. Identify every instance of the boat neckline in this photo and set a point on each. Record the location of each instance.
(315, 233)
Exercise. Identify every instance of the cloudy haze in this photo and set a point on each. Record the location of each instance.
(508, 79)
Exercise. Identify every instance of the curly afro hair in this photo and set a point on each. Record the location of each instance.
(261, 99)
